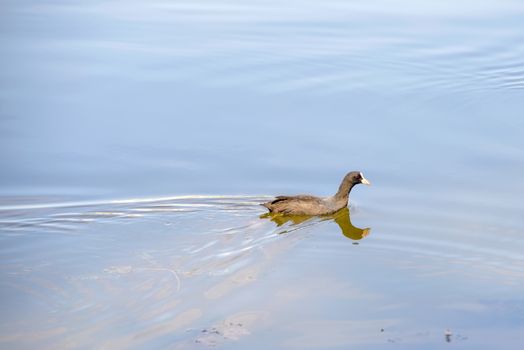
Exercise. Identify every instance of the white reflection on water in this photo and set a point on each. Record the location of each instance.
(120, 99)
(183, 276)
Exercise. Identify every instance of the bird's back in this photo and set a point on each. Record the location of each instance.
(299, 205)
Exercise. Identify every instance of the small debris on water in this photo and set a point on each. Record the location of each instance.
(447, 335)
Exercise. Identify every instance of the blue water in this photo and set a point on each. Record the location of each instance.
(137, 139)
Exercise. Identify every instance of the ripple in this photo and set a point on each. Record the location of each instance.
(215, 247)
(20, 216)
(327, 48)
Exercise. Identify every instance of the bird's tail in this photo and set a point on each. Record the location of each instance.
(267, 205)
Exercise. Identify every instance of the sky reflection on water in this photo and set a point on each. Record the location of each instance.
(111, 111)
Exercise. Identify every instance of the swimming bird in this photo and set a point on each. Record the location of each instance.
(311, 205)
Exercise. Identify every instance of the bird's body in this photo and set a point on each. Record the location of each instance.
(305, 205)
(311, 205)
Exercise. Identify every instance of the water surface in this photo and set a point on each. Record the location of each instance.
(138, 139)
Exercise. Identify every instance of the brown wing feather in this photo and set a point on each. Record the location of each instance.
(290, 198)
(292, 204)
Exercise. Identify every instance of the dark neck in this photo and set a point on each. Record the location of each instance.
(344, 189)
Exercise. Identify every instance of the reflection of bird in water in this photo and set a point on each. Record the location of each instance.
(341, 217)
(311, 205)
(343, 220)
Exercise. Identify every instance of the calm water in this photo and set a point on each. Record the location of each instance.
(138, 138)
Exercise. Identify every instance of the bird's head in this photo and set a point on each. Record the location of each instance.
(356, 177)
